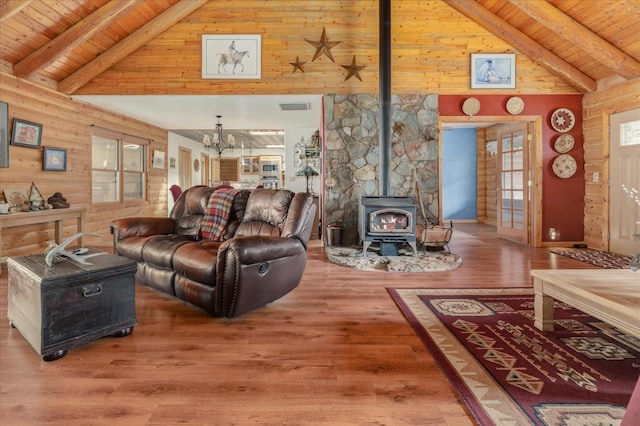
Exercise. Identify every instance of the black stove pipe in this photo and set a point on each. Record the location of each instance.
(385, 96)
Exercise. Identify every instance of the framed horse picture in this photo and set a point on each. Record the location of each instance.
(236, 56)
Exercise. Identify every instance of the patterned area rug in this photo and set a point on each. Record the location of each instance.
(599, 258)
(508, 372)
(426, 261)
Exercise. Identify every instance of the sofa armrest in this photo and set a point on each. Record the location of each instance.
(141, 227)
(254, 270)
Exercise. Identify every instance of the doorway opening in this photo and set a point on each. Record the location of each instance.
(508, 157)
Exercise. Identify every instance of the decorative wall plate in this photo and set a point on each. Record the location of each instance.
(196, 165)
(17, 199)
(515, 105)
(471, 106)
(564, 166)
(564, 144)
(562, 120)
(330, 182)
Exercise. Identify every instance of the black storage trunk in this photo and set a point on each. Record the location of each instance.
(69, 304)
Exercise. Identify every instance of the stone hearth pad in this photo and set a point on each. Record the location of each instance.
(426, 261)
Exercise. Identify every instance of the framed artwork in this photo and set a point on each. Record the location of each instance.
(4, 134)
(54, 159)
(250, 165)
(493, 70)
(158, 159)
(234, 56)
(17, 199)
(172, 162)
(26, 133)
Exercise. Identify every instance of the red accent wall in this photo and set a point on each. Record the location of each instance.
(562, 199)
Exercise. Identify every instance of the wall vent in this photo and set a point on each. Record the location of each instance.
(296, 106)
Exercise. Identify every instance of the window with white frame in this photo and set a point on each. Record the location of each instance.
(630, 133)
(118, 167)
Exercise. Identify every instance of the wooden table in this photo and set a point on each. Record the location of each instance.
(13, 220)
(611, 295)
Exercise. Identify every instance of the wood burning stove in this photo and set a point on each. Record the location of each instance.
(387, 220)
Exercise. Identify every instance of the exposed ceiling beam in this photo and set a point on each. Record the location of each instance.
(128, 45)
(9, 8)
(79, 33)
(526, 45)
(585, 40)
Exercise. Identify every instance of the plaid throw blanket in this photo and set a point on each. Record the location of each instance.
(217, 214)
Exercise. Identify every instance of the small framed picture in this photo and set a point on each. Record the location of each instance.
(158, 159)
(54, 159)
(26, 133)
(493, 70)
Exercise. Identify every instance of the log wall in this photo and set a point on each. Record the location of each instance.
(67, 124)
(490, 175)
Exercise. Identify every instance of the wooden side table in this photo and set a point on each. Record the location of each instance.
(56, 216)
(69, 304)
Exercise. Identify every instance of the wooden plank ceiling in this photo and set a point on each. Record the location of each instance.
(63, 44)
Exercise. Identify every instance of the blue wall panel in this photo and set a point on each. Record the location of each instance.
(459, 181)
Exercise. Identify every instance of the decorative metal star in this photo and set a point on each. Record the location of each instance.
(297, 65)
(353, 69)
(323, 47)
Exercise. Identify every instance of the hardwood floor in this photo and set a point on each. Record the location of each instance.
(334, 351)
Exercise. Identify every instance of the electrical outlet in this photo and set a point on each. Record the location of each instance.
(596, 177)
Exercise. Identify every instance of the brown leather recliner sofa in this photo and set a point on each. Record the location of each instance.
(260, 258)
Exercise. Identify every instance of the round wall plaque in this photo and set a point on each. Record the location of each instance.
(564, 144)
(564, 166)
(562, 120)
(515, 105)
(471, 106)
(196, 165)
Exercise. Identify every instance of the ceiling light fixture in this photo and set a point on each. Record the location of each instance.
(216, 141)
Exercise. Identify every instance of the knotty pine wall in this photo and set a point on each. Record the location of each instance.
(597, 107)
(487, 177)
(67, 124)
(431, 43)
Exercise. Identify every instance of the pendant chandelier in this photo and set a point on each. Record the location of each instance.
(217, 141)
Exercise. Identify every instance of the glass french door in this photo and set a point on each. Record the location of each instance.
(513, 175)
